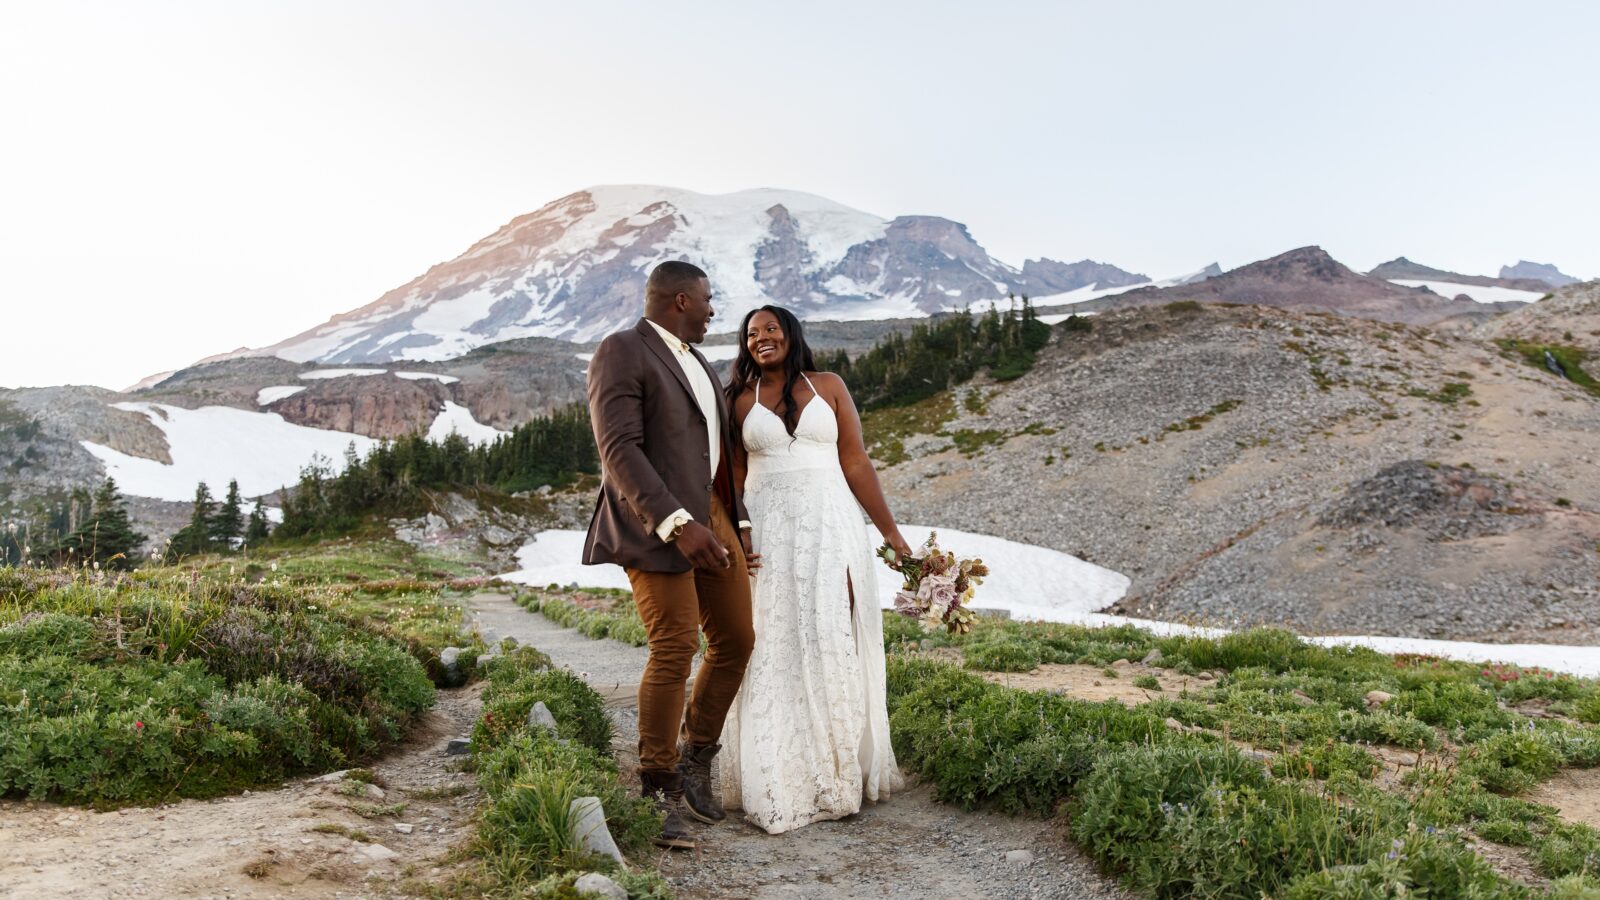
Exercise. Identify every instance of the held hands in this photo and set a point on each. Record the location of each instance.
(752, 559)
(700, 546)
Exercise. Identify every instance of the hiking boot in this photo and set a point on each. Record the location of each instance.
(664, 790)
(699, 794)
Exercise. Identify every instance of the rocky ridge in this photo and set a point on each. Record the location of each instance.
(1206, 453)
(1309, 279)
(1400, 267)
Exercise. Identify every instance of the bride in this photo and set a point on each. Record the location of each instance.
(808, 735)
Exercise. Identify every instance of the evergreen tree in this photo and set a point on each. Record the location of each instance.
(227, 526)
(195, 537)
(257, 531)
(106, 534)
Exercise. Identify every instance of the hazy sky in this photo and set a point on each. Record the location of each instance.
(179, 179)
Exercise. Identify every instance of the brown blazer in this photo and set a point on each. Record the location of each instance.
(653, 451)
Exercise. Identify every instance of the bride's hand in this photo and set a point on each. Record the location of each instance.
(898, 543)
(752, 559)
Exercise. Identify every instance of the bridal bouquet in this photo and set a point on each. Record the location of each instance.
(938, 585)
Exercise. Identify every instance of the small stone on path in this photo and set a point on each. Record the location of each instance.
(595, 883)
(458, 747)
(1019, 857)
(403, 828)
(589, 827)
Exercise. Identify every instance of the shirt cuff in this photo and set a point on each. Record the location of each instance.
(671, 523)
(745, 524)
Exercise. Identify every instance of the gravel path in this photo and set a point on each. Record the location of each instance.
(910, 845)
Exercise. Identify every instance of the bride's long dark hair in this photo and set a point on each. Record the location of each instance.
(798, 360)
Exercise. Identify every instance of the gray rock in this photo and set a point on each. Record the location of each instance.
(600, 885)
(403, 827)
(330, 777)
(377, 852)
(590, 828)
(991, 612)
(1020, 857)
(1154, 656)
(458, 747)
(539, 716)
(1378, 698)
(373, 792)
(454, 675)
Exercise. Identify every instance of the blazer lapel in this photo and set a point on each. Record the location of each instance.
(652, 339)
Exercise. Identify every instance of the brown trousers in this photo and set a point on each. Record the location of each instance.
(674, 608)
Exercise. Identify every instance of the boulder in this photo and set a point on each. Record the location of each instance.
(589, 827)
(540, 717)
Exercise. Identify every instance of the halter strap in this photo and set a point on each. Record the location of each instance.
(802, 375)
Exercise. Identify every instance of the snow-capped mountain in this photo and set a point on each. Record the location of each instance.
(575, 270)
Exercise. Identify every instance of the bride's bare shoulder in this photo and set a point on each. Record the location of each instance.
(830, 384)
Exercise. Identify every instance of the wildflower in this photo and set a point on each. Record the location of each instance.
(138, 726)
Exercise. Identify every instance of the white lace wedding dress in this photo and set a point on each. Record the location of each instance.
(808, 735)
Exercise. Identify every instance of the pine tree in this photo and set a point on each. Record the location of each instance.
(227, 526)
(195, 537)
(105, 535)
(257, 531)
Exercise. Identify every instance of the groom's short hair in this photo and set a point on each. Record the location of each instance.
(669, 279)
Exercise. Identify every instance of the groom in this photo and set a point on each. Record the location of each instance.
(665, 513)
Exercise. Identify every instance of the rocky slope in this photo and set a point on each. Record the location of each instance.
(1309, 279)
(1254, 465)
(1571, 315)
(1402, 268)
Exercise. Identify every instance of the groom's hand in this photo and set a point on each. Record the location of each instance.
(752, 559)
(700, 546)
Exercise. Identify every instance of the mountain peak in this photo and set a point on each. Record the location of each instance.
(1545, 272)
(575, 268)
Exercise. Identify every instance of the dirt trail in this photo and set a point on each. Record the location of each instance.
(202, 848)
(909, 846)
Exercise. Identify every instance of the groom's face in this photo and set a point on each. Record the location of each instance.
(697, 312)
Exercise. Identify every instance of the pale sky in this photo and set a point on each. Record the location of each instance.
(180, 179)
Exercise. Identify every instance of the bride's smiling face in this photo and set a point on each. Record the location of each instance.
(765, 340)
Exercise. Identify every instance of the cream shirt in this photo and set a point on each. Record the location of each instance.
(705, 394)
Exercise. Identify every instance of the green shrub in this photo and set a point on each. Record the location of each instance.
(1513, 761)
(1570, 849)
(519, 680)
(1325, 760)
(1003, 655)
(157, 686)
(1415, 866)
(532, 757)
(983, 745)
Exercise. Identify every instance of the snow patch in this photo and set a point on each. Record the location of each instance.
(424, 376)
(318, 374)
(1478, 292)
(270, 395)
(1058, 318)
(1039, 583)
(457, 419)
(214, 444)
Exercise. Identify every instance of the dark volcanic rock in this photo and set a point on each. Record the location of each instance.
(1447, 502)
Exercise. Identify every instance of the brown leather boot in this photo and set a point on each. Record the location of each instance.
(665, 791)
(699, 794)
